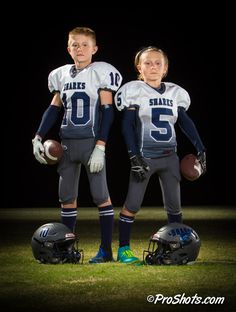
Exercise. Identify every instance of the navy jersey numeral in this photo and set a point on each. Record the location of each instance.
(164, 130)
(80, 109)
(118, 99)
(115, 78)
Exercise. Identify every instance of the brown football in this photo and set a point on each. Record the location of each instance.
(53, 151)
(190, 167)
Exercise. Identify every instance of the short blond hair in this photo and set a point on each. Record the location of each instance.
(83, 31)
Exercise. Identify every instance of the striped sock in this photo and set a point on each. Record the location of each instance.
(106, 216)
(68, 217)
(125, 224)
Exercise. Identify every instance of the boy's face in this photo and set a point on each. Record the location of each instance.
(81, 48)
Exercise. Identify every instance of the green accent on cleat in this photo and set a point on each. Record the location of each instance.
(126, 255)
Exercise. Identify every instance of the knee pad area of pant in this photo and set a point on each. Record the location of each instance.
(132, 209)
(67, 201)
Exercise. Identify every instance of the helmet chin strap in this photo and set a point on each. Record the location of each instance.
(74, 257)
(71, 255)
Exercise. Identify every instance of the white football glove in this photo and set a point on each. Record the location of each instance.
(97, 159)
(38, 149)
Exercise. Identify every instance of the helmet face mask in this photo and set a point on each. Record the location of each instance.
(54, 243)
(174, 243)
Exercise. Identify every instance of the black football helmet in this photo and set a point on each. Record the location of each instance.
(175, 243)
(55, 243)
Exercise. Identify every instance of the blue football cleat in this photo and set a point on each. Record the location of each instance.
(102, 256)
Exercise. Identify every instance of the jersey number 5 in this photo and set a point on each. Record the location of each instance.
(160, 119)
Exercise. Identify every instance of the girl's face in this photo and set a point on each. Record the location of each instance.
(152, 66)
(81, 48)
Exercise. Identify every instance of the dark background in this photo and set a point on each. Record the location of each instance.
(198, 42)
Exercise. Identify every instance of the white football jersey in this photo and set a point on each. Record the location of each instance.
(157, 112)
(79, 92)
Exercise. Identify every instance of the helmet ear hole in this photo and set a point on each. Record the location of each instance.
(48, 244)
(176, 243)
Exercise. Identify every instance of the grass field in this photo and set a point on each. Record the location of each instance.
(26, 285)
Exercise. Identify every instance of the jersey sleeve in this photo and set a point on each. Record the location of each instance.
(53, 81)
(183, 98)
(55, 78)
(109, 77)
(127, 96)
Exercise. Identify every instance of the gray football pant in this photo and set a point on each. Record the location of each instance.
(167, 169)
(77, 152)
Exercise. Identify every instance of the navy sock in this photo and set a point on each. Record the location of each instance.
(68, 217)
(106, 217)
(174, 218)
(125, 224)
